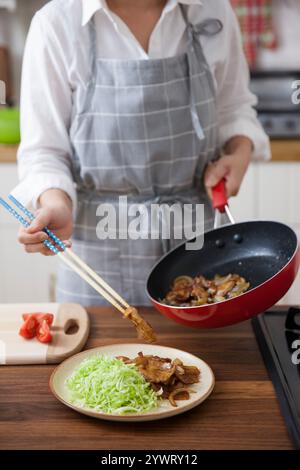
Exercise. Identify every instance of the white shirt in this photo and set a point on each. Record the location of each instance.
(56, 60)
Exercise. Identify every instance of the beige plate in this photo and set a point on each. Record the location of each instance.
(164, 410)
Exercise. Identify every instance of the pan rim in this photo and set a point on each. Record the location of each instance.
(174, 307)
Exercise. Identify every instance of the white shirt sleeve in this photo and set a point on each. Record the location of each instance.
(236, 115)
(45, 152)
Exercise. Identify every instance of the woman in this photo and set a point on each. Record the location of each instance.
(135, 98)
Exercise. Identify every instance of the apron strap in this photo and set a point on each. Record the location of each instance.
(208, 27)
(93, 48)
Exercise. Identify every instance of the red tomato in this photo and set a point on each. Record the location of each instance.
(40, 317)
(43, 333)
(28, 329)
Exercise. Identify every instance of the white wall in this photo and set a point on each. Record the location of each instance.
(23, 277)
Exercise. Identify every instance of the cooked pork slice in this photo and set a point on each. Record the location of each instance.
(143, 328)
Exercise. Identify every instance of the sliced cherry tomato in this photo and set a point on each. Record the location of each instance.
(28, 329)
(43, 333)
(49, 317)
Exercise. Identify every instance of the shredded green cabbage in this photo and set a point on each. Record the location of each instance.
(107, 384)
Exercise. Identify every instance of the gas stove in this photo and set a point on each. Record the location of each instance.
(278, 336)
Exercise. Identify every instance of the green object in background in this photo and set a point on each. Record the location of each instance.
(9, 126)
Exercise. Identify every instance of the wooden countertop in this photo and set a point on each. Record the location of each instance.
(8, 153)
(282, 151)
(242, 412)
(285, 150)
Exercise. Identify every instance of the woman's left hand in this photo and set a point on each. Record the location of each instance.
(232, 166)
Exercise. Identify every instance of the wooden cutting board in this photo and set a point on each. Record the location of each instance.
(70, 330)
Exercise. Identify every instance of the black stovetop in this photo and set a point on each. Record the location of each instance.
(278, 336)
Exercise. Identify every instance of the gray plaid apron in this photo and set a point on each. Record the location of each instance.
(145, 129)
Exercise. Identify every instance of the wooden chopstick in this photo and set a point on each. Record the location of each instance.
(96, 277)
(91, 282)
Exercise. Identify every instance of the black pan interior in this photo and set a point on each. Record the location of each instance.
(254, 250)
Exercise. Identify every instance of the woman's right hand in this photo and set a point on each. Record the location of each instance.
(55, 212)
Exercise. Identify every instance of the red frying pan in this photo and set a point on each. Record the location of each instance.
(266, 254)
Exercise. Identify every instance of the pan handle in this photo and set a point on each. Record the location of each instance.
(219, 196)
(220, 202)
